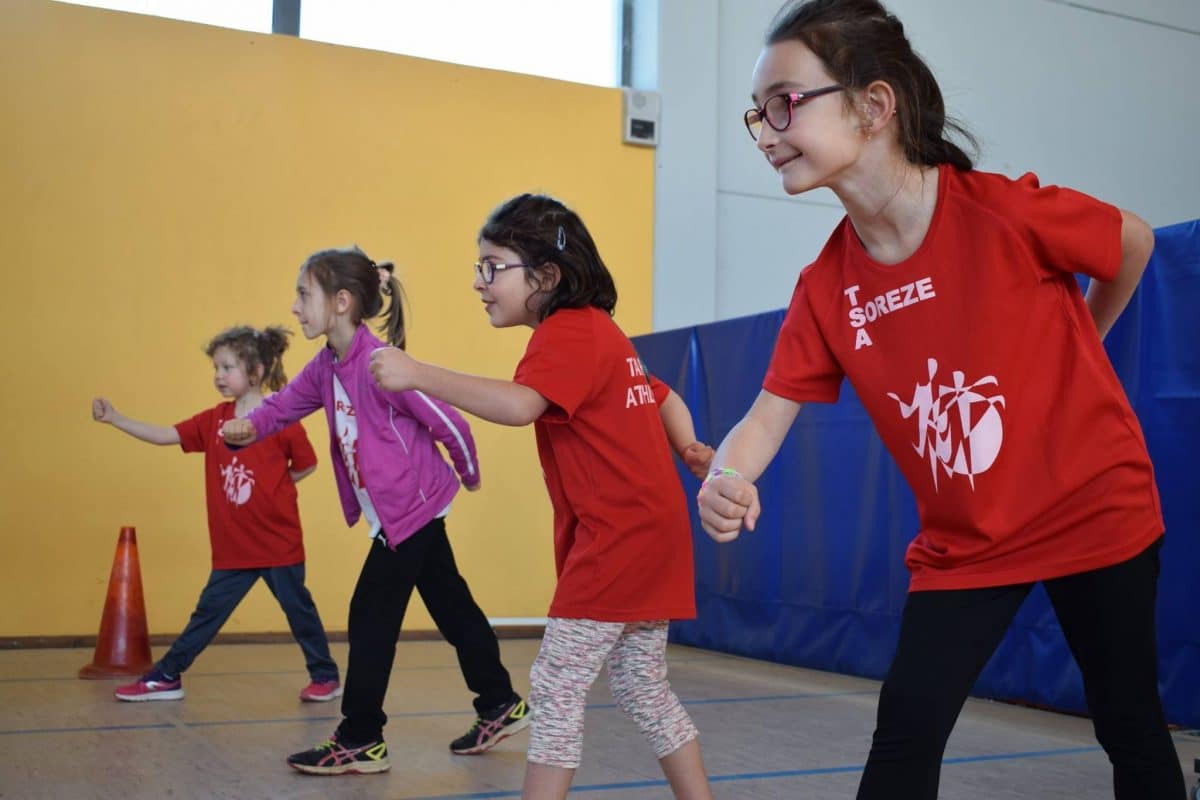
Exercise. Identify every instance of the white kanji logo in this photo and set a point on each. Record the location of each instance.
(239, 482)
(958, 426)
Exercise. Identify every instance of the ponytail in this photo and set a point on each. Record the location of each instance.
(256, 349)
(272, 342)
(392, 327)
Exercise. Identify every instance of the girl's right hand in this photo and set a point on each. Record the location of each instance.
(102, 410)
(239, 432)
(727, 503)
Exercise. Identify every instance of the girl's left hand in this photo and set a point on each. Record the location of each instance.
(698, 457)
(393, 369)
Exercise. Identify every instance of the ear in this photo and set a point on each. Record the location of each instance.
(342, 301)
(876, 106)
(256, 377)
(548, 278)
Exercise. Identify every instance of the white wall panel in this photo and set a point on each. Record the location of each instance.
(1085, 97)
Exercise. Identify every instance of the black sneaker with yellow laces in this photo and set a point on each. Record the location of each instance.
(332, 757)
(493, 726)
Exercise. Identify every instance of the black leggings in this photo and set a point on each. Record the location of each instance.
(424, 561)
(947, 637)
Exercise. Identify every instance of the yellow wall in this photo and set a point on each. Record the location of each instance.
(163, 180)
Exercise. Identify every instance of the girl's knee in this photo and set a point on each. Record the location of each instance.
(658, 713)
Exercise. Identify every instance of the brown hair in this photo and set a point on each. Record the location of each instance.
(545, 233)
(860, 42)
(351, 269)
(256, 349)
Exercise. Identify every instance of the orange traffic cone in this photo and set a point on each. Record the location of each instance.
(123, 646)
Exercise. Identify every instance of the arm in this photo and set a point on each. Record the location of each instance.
(1107, 299)
(292, 403)
(299, 475)
(449, 428)
(681, 433)
(729, 501)
(503, 402)
(103, 411)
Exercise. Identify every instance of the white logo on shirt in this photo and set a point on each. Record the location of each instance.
(239, 482)
(953, 428)
(640, 393)
(861, 315)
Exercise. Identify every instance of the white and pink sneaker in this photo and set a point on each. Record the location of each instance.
(321, 691)
(154, 685)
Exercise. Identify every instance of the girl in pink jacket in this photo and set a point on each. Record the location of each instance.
(388, 470)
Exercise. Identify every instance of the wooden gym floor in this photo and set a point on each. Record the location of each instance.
(768, 731)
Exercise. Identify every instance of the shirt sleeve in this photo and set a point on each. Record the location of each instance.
(802, 367)
(194, 432)
(660, 389)
(297, 448)
(560, 362)
(1068, 231)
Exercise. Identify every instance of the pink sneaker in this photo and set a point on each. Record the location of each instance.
(321, 691)
(151, 686)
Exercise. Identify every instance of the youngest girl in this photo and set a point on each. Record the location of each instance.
(253, 520)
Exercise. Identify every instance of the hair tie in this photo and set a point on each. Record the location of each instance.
(562, 239)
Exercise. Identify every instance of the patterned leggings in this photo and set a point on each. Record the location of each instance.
(572, 653)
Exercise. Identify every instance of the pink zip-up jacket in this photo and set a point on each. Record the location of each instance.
(407, 479)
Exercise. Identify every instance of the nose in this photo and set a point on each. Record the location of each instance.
(478, 284)
(296, 308)
(768, 137)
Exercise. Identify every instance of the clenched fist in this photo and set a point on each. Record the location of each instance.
(239, 432)
(728, 503)
(697, 457)
(103, 411)
(393, 369)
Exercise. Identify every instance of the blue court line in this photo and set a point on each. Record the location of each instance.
(94, 729)
(409, 714)
(759, 776)
(74, 678)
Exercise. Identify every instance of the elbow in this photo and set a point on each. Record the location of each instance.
(1137, 239)
(524, 413)
(525, 407)
(520, 417)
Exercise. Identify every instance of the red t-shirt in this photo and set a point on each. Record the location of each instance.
(253, 519)
(981, 367)
(622, 538)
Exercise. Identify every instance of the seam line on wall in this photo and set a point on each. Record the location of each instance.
(1128, 17)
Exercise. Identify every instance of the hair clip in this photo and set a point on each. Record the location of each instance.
(562, 238)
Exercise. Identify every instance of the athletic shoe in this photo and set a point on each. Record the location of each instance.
(321, 691)
(332, 757)
(154, 685)
(489, 728)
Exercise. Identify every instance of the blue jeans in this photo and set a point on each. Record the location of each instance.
(221, 595)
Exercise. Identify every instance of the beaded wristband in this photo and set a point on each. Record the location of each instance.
(720, 472)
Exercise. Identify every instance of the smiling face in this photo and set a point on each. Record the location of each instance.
(229, 373)
(824, 139)
(507, 298)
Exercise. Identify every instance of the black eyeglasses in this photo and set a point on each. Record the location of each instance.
(777, 111)
(488, 269)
